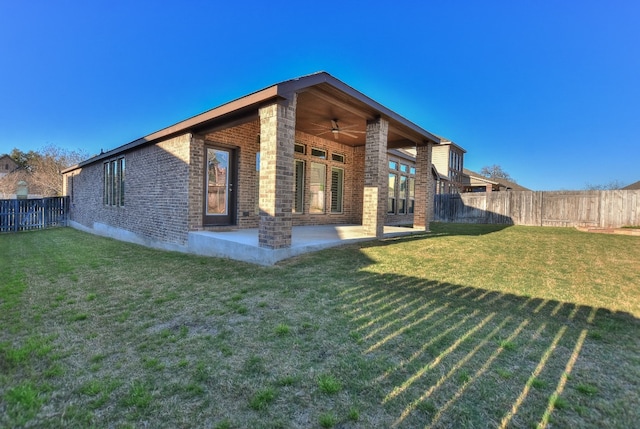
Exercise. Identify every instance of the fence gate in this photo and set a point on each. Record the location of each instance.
(24, 215)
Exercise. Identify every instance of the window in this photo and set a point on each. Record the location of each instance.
(412, 170)
(393, 165)
(404, 168)
(402, 195)
(121, 181)
(113, 190)
(298, 184)
(317, 186)
(337, 157)
(106, 190)
(299, 148)
(337, 186)
(412, 194)
(391, 207)
(319, 153)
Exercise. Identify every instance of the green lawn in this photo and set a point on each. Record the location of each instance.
(468, 326)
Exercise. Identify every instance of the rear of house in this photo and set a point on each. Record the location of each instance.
(310, 151)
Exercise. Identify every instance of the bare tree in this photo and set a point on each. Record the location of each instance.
(42, 169)
(496, 172)
(610, 186)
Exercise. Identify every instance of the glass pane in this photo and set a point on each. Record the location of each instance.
(298, 183)
(317, 187)
(337, 157)
(114, 183)
(319, 153)
(113, 193)
(402, 195)
(217, 180)
(337, 179)
(122, 170)
(391, 208)
(107, 186)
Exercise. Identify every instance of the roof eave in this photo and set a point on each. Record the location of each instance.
(283, 90)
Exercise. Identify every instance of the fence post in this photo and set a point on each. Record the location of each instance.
(16, 214)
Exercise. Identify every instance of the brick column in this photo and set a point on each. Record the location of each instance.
(277, 136)
(376, 177)
(425, 188)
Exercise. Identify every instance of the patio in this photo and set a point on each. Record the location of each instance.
(242, 244)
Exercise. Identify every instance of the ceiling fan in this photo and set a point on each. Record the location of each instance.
(337, 130)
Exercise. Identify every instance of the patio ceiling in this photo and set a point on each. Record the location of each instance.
(319, 105)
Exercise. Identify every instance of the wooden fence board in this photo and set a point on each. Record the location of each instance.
(24, 215)
(605, 209)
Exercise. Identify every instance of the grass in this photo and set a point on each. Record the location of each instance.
(468, 326)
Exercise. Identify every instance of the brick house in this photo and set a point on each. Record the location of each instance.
(308, 151)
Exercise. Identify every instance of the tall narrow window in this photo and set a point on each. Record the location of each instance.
(106, 190)
(337, 186)
(391, 208)
(317, 187)
(115, 173)
(412, 194)
(113, 185)
(121, 169)
(402, 195)
(298, 183)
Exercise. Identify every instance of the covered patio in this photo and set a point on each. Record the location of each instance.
(242, 244)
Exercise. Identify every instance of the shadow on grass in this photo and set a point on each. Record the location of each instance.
(445, 355)
(468, 229)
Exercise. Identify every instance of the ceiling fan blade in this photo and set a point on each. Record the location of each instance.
(348, 134)
(324, 132)
(336, 135)
(349, 128)
(334, 124)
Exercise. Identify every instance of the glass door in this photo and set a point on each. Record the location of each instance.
(219, 198)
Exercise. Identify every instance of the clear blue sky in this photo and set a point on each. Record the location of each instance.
(549, 90)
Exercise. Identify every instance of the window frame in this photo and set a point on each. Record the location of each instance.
(319, 153)
(391, 194)
(320, 192)
(402, 195)
(340, 201)
(113, 177)
(298, 186)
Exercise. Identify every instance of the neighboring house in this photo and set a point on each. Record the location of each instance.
(448, 160)
(308, 151)
(632, 186)
(475, 182)
(7, 165)
(10, 175)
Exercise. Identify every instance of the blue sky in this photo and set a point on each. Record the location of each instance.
(549, 90)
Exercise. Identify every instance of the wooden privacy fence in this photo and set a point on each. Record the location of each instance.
(23, 215)
(600, 209)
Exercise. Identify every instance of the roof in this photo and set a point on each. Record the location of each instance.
(321, 98)
(447, 142)
(632, 186)
(8, 158)
(495, 181)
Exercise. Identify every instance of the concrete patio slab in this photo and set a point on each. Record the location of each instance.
(243, 245)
